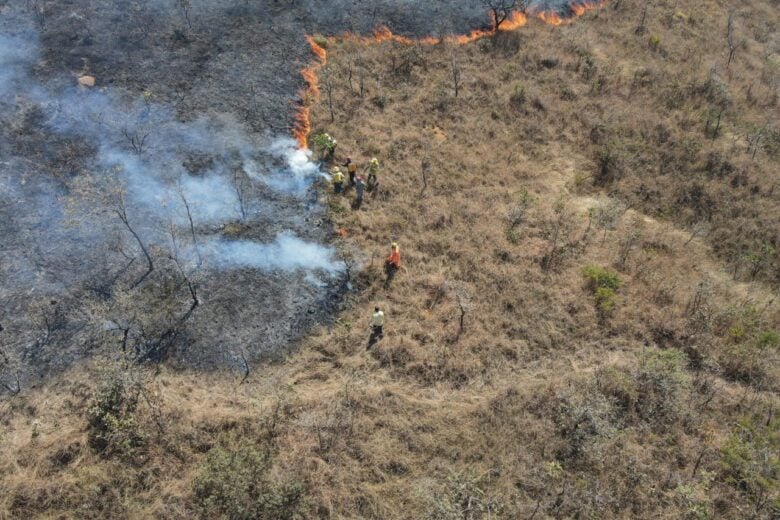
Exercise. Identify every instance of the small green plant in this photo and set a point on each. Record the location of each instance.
(518, 96)
(236, 482)
(655, 42)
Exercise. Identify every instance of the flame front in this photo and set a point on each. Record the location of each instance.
(311, 93)
(308, 95)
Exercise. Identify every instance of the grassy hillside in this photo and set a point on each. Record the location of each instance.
(585, 325)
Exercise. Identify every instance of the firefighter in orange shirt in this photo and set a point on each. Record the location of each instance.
(392, 264)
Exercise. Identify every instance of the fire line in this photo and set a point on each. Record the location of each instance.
(310, 93)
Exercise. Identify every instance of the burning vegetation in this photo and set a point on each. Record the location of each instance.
(503, 18)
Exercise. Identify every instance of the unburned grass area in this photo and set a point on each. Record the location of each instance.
(584, 324)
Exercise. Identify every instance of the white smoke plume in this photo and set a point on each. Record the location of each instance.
(144, 147)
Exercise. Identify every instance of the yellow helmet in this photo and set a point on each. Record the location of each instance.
(336, 170)
(375, 161)
(394, 245)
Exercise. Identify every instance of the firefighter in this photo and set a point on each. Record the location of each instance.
(360, 189)
(377, 326)
(338, 180)
(351, 170)
(392, 264)
(372, 184)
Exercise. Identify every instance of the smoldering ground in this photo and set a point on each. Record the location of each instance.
(160, 214)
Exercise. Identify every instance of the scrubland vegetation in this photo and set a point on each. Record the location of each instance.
(585, 325)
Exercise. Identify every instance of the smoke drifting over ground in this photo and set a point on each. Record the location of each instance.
(166, 211)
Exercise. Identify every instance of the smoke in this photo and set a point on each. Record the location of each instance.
(286, 253)
(298, 174)
(159, 162)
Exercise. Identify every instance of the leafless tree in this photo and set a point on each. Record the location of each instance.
(500, 10)
(239, 185)
(185, 6)
(425, 168)
(188, 210)
(455, 72)
(731, 38)
(121, 212)
(136, 139)
(326, 80)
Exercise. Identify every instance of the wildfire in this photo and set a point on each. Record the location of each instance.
(576, 9)
(311, 93)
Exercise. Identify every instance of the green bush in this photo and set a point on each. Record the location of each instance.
(112, 427)
(324, 142)
(600, 277)
(235, 482)
(604, 284)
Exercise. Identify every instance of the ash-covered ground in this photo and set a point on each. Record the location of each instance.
(164, 213)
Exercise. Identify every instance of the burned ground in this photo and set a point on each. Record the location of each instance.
(230, 69)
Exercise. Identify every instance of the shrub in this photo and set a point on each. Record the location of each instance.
(324, 143)
(235, 483)
(604, 284)
(607, 164)
(619, 385)
(582, 421)
(750, 460)
(112, 427)
(655, 42)
(749, 360)
(464, 496)
(600, 277)
(661, 381)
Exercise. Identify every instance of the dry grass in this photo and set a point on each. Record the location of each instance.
(543, 404)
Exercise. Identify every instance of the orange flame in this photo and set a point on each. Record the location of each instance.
(577, 9)
(311, 93)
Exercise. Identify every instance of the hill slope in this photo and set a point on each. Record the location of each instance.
(585, 324)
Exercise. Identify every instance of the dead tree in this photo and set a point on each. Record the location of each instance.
(136, 139)
(240, 186)
(730, 38)
(121, 212)
(642, 27)
(455, 72)
(191, 223)
(326, 80)
(425, 168)
(500, 10)
(185, 6)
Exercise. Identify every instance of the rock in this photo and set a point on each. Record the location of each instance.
(87, 81)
